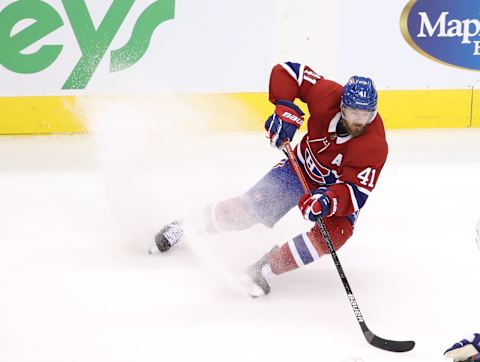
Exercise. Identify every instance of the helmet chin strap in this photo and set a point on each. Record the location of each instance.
(341, 130)
(374, 114)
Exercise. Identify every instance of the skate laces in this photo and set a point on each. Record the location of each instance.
(173, 233)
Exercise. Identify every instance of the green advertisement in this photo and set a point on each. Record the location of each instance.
(93, 42)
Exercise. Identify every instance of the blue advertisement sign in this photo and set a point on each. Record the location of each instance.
(446, 31)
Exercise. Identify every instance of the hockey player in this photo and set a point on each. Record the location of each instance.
(341, 155)
(465, 350)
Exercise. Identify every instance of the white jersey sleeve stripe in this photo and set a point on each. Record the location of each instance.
(363, 190)
(289, 70)
(353, 197)
(301, 74)
(293, 72)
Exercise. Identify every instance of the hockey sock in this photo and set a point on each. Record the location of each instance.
(293, 254)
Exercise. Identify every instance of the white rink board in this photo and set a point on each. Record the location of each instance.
(377, 48)
(200, 50)
(217, 46)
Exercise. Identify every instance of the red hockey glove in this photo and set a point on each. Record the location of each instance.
(322, 203)
(282, 125)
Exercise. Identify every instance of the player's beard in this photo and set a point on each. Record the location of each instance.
(354, 129)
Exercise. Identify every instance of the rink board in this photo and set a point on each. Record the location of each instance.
(400, 109)
(40, 115)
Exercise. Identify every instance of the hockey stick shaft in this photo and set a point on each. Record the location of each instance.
(389, 345)
(327, 238)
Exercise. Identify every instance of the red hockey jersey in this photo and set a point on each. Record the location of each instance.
(349, 166)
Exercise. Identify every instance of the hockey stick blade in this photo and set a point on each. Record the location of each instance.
(385, 344)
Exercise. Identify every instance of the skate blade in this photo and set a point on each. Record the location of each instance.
(154, 250)
(252, 289)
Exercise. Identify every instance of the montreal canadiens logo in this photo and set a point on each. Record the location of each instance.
(446, 31)
(314, 171)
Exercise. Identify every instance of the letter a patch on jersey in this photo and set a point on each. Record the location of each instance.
(338, 160)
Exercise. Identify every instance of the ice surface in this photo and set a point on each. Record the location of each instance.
(76, 282)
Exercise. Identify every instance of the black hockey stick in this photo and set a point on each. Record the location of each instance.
(388, 345)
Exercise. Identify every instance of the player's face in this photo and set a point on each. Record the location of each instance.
(355, 120)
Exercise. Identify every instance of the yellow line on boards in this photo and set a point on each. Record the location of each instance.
(407, 109)
(40, 115)
(476, 108)
(400, 109)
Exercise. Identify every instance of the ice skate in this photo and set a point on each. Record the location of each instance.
(467, 350)
(170, 235)
(258, 277)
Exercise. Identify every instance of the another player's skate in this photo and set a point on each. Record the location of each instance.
(167, 237)
(258, 277)
(467, 350)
